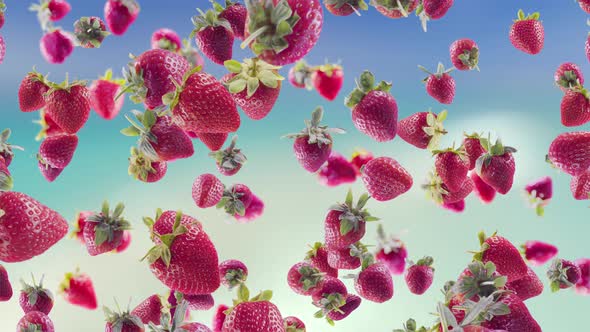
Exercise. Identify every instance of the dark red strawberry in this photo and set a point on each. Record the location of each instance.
(300, 75)
(58, 151)
(497, 166)
(35, 321)
(452, 167)
(253, 211)
(527, 33)
(338, 170)
(232, 273)
(563, 274)
(374, 282)
(5, 286)
(351, 304)
(236, 14)
(219, 318)
(77, 289)
(230, 160)
(527, 287)
(575, 107)
(120, 14)
(199, 302)
(419, 276)
(294, 324)
(568, 75)
(432, 10)
(440, 85)
(236, 199)
(31, 91)
(207, 190)
(540, 193)
(473, 148)
(103, 96)
(482, 190)
(360, 158)
(457, 207)
(538, 253)
(122, 321)
(423, 129)
(464, 54)
(503, 254)
(391, 251)
(583, 285)
(347, 258)
(191, 54)
(90, 32)
(328, 80)
(330, 297)
(35, 298)
(385, 179)
(48, 126)
(374, 110)
(166, 39)
(345, 7)
(68, 105)
(345, 223)
(517, 318)
(318, 257)
(570, 152)
(395, 9)
(257, 314)
(313, 145)
(440, 193)
(145, 169)
(103, 231)
(580, 186)
(281, 32)
(213, 36)
(213, 141)
(56, 46)
(125, 242)
(305, 279)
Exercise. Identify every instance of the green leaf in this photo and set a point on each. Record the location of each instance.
(253, 84)
(149, 119)
(237, 86)
(130, 131)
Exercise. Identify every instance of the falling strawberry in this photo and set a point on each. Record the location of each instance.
(35, 321)
(568, 76)
(423, 129)
(374, 282)
(48, 126)
(503, 254)
(540, 193)
(457, 207)
(125, 242)
(90, 32)
(391, 251)
(347, 258)
(236, 200)
(497, 166)
(144, 169)
(103, 96)
(6, 148)
(575, 107)
(191, 54)
(300, 75)
(35, 298)
(395, 8)
(294, 324)
(385, 179)
(214, 142)
(2, 10)
(337, 171)
(328, 80)
(538, 253)
(207, 190)
(516, 318)
(419, 276)
(53, 10)
(77, 289)
(452, 166)
(583, 284)
(236, 14)
(330, 298)
(56, 152)
(120, 14)
(345, 223)
(563, 274)
(440, 85)
(570, 152)
(31, 91)
(527, 33)
(232, 273)
(345, 7)
(166, 39)
(56, 46)
(5, 286)
(351, 303)
(219, 318)
(360, 158)
(213, 35)
(439, 192)
(149, 310)
(432, 10)
(68, 105)
(482, 190)
(255, 314)
(103, 232)
(580, 186)
(199, 302)
(252, 212)
(527, 287)
(305, 279)
(464, 54)
(122, 321)
(473, 148)
(318, 257)
(374, 110)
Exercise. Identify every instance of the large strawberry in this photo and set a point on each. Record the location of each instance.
(432, 10)
(207, 190)
(281, 32)
(570, 152)
(5, 286)
(31, 91)
(328, 80)
(103, 231)
(338, 170)
(473, 148)
(257, 314)
(68, 105)
(527, 287)
(527, 33)
(230, 160)
(21, 219)
(255, 86)
(57, 151)
(235, 13)
(395, 8)
(568, 75)
(423, 129)
(145, 169)
(464, 54)
(482, 190)
(440, 85)
(580, 186)
(345, 223)
(391, 251)
(166, 39)
(345, 7)
(35, 321)
(503, 254)
(305, 279)
(374, 282)
(330, 298)
(77, 289)
(119, 14)
(313, 145)
(318, 257)
(374, 111)
(6, 149)
(419, 276)
(497, 166)
(452, 167)
(385, 179)
(103, 96)
(90, 32)
(172, 260)
(575, 107)
(122, 321)
(440, 193)
(213, 35)
(35, 298)
(563, 274)
(56, 46)
(538, 253)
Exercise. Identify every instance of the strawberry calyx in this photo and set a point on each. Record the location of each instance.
(121, 319)
(470, 58)
(440, 71)
(64, 286)
(557, 274)
(108, 76)
(473, 135)
(269, 25)
(134, 83)
(162, 250)
(172, 324)
(171, 98)
(482, 237)
(352, 216)
(522, 17)
(329, 303)
(302, 74)
(244, 297)
(434, 187)
(6, 149)
(32, 328)
(229, 158)
(570, 80)
(107, 222)
(231, 202)
(35, 290)
(310, 277)
(483, 281)
(498, 149)
(2, 6)
(89, 30)
(140, 166)
(250, 74)
(219, 8)
(459, 152)
(315, 133)
(424, 261)
(400, 5)
(209, 19)
(365, 84)
(45, 125)
(64, 85)
(313, 251)
(410, 326)
(435, 128)
(387, 243)
(235, 277)
(475, 312)
(143, 129)
(354, 4)
(328, 68)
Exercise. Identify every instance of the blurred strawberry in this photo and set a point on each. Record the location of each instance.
(230, 160)
(538, 253)
(482, 190)
(328, 80)
(338, 170)
(391, 251)
(120, 14)
(359, 158)
(103, 96)
(345, 7)
(580, 186)
(35, 321)
(90, 32)
(539, 194)
(563, 274)
(583, 284)
(56, 46)
(77, 289)
(166, 39)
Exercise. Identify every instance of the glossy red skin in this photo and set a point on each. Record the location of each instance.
(219, 318)
(580, 186)
(259, 105)
(519, 318)
(58, 9)
(570, 152)
(573, 273)
(376, 116)
(459, 47)
(538, 253)
(52, 128)
(170, 35)
(330, 286)
(216, 43)
(395, 261)
(227, 266)
(149, 310)
(564, 67)
(58, 151)
(328, 86)
(334, 239)
(294, 280)
(352, 303)
(320, 261)
(30, 94)
(375, 283)
(125, 242)
(342, 260)
(236, 15)
(411, 130)
(172, 142)
(102, 99)
(20, 227)
(499, 174)
(474, 150)
(294, 323)
(118, 16)
(396, 13)
(44, 302)
(543, 188)
(441, 88)
(69, 110)
(436, 9)
(452, 169)
(457, 207)
(583, 284)
(81, 292)
(338, 170)
(575, 109)
(385, 179)
(527, 287)
(107, 246)
(506, 257)
(160, 167)
(200, 302)
(254, 317)
(35, 318)
(528, 36)
(419, 278)
(56, 46)
(49, 173)
(482, 190)
(253, 211)
(5, 286)
(213, 141)
(311, 156)
(207, 191)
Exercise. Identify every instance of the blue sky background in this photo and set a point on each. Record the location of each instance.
(513, 96)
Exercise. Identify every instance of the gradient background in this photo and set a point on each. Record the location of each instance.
(513, 96)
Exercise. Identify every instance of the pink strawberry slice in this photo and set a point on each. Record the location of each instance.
(527, 33)
(122, 321)
(305, 279)
(497, 166)
(166, 39)
(423, 130)
(35, 298)
(120, 14)
(391, 251)
(207, 190)
(583, 285)
(527, 287)
(374, 282)
(540, 193)
(345, 223)
(103, 96)
(58, 151)
(77, 289)
(103, 231)
(236, 14)
(482, 190)
(149, 310)
(318, 257)
(374, 110)
(328, 80)
(440, 85)
(90, 31)
(56, 46)
(473, 148)
(452, 166)
(419, 276)
(257, 314)
(230, 160)
(145, 169)
(568, 76)
(570, 152)
(464, 54)
(395, 9)
(385, 179)
(563, 274)
(5, 286)
(68, 105)
(330, 298)
(345, 7)
(538, 253)
(232, 273)
(214, 36)
(35, 321)
(31, 91)
(575, 107)
(503, 254)
(338, 170)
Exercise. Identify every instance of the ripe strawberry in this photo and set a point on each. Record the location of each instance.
(35, 321)
(539, 193)
(317, 256)
(191, 54)
(236, 199)
(473, 148)
(575, 107)
(482, 190)
(464, 54)
(31, 91)
(58, 151)
(230, 160)
(90, 32)
(374, 111)
(337, 171)
(351, 304)
(570, 152)
(538, 253)
(360, 158)
(176, 304)
(171, 261)
(235, 13)
(385, 179)
(345, 7)
(527, 287)
(5, 286)
(347, 258)
(79, 224)
(219, 318)
(77, 289)
(419, 276)
(214, 142)
(103, 231)
(122, 321)
(6, 149)
(125, 242)
(583, 285)
(391, 251)
(68, 105)
(432, 10)
(253, 211)
(395, 9)
(149, 310)
(330, 297)
(233, 273)
(305, 279)
(328, 80)
(457, 207)
(497, 167)
(48, 126)
(423, 129)
(518, 317)
(207, 191)
(440, 85)
(452, 167)
(440, 193)
(2, 10)
(300, 75)
(563, 274)
(21, 217)
(257, 314)
(120, 14)
(580, 186)
(103, 96)
(294, 324)
(345, 223)
(568, 76)
(503, 254)
(527, 33)
(56, 46)
(374, 282)
(145, 169)
(290, 36)
(313, 145)
(35, 298)
(49, 173)
(199, 302)
(166, 39)
(50, 11)
(213, 36)
(585, 5)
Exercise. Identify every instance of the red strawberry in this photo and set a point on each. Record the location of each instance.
(5, 286)
(21, 218)
(475, 283)
(56, 46)
(2, 10)
(385, 179)
(538, 253)
(35, 321)
(199, 302)
(337, 171)
(568, 75)
(423, 129)
(166, 39)
(452, 167)
(236, 199)
(219, 318)
(213, 141)
(563, 274)
(79, 224)
(432, 10)
(570, 152)
(213, 35)
(282, 32)
(497, 167)
(103, 231)
(235, 13)
(90, 32)
(125, 242)
(253, 211)
(230, 160)
(440, 85)
(396, 9)
(207, 190)
(122, 321)
(583, 285)
(351, 304)
(473, 148)
(330, 297)
(50, 11)
(518, 318)
(440, 193)
(48, 126)
(300, 75)
(345, 223)
(195, 327)
(31, 91)
(6, 149)
(540, 193)
(527, 33)
(482, 190)
(77, 289)
(254, 315)
(58, 151)
(191, 54)
(457, 207)
(360, 158)
(345, 7)
(145, 169)
(317, 256)
(305, 279)
(419, 276)
(391, 251)
(347, 258)
(68, 105)
(374, 111)
(575, 108)
(35, 298)
(172, 262)
(527, 287)
(328, 80)
(294, 324)
(580, 186)
(503, 254)
(464, 54)
(176, 304)
(49, 173)
(585, 5)
(103, 96)
(233, 273)
(120, 14)
(374, 282)
(313, 145)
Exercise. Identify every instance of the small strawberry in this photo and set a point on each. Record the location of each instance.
(77, 289)
(90, 32)
(419, 276)
(213, 36)
(103, 96)
(2, 10)
(345, 223)
(120, 14)
(317, 256)
(452, 167)
(374, 282)
(35, 298)
(145, 169)
(482, 190)
(568, 76)
(374, 110)
(585, 5)
(347, 258)
(432, 10)
(122, 321)
(540, 193)
(385, 179)
(527, 287)
(233, 273)
(31, 91)
(328, 80)
(207, 191)
(48, 126)
(580, 186)
(313, 145)
(497, 167)
(191, 54)
(294, 324)
(149, 310)
(235, 13)
(68, 105)
(199, 302)
(125, 242)
(563, 274)
(257, 314)
(305, 279)
(57, 151)
(527, 33)
(360, 158)
(464, 54)
(230, 160)
(103, 231)
(5, 286)
(56, 46)
(538, 253)
(166, 39)
(395, 8)
(351, 303)
(423, 129)
(457, 207)
(503, 254)
(219, 317)
(35, 321)
(575, 107)
(213, 142)
(50, 11)
(79, 224)
(345, 7)
(330, 297)
(473, 148)
(6, 149)
(391, 251)
(253, 211)
(440, 193)
(440, 85)
(49, 173)
(570, 152)
(583, 285)
(300, 75)
(236, 199)
(338, 170)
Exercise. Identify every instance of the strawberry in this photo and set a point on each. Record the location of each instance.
(152, 75)
(330, 297)
(423, 129)
(345, 223)
(583, 285)
(360, 158)
(103, 96)
(191, 54)
(395, 8)
(352, 302)
(477, 282)
(90, 32)
(570, 152)
(317, 256)
(432, 10)
(120, 14)
(35, 298)
(77, 289)
(230, 160)
(300, 75)
(345, 7)
(580, 186)
(207, 191)
(337, 171)
(6, 149)
(219, 317)
(391, 251)
(313, 145)
(410, 326)
(175, 319)
(281, 32)
(149, 310)
(68, 105)
(2, 10)
(235, 13)
(585, 5)
(464, 54)
(58, 151)
(419, 276)
(79, 224)
(482, 190)
(255, 86)
(518, 318)
(575, 107)
(503, 254)
(213, 36)
(457, 207)
(568, 76)
(232, 273)
(2, 49)
(171, 260)
(103, 231)
(195, 327)
(159, 137)
(21, 217)
(145, 169)
(166, 39)
(347, 258)
(539, 193)
(527, 33)
(236, 199)
(440, 193)
(473, 148)
(56, 46)
(440, 85)
(374, 282)
(328, 80)
(125, 242)
(257, 314)
(527, 287)
(50, 11)
(305, 279)
(122, 321)
(294, 324)
(48, 172)
(538, 253)
(385, 179)
(253, 211)
(452, 167)
(35, 321)
(497, 167)
(214, 142)
(199, 302)
(48, 126)
(5, 286)
(374, 110)
(587, 45)
(563, 274)
(31, 91)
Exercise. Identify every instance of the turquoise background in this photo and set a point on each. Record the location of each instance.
(513, 96)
